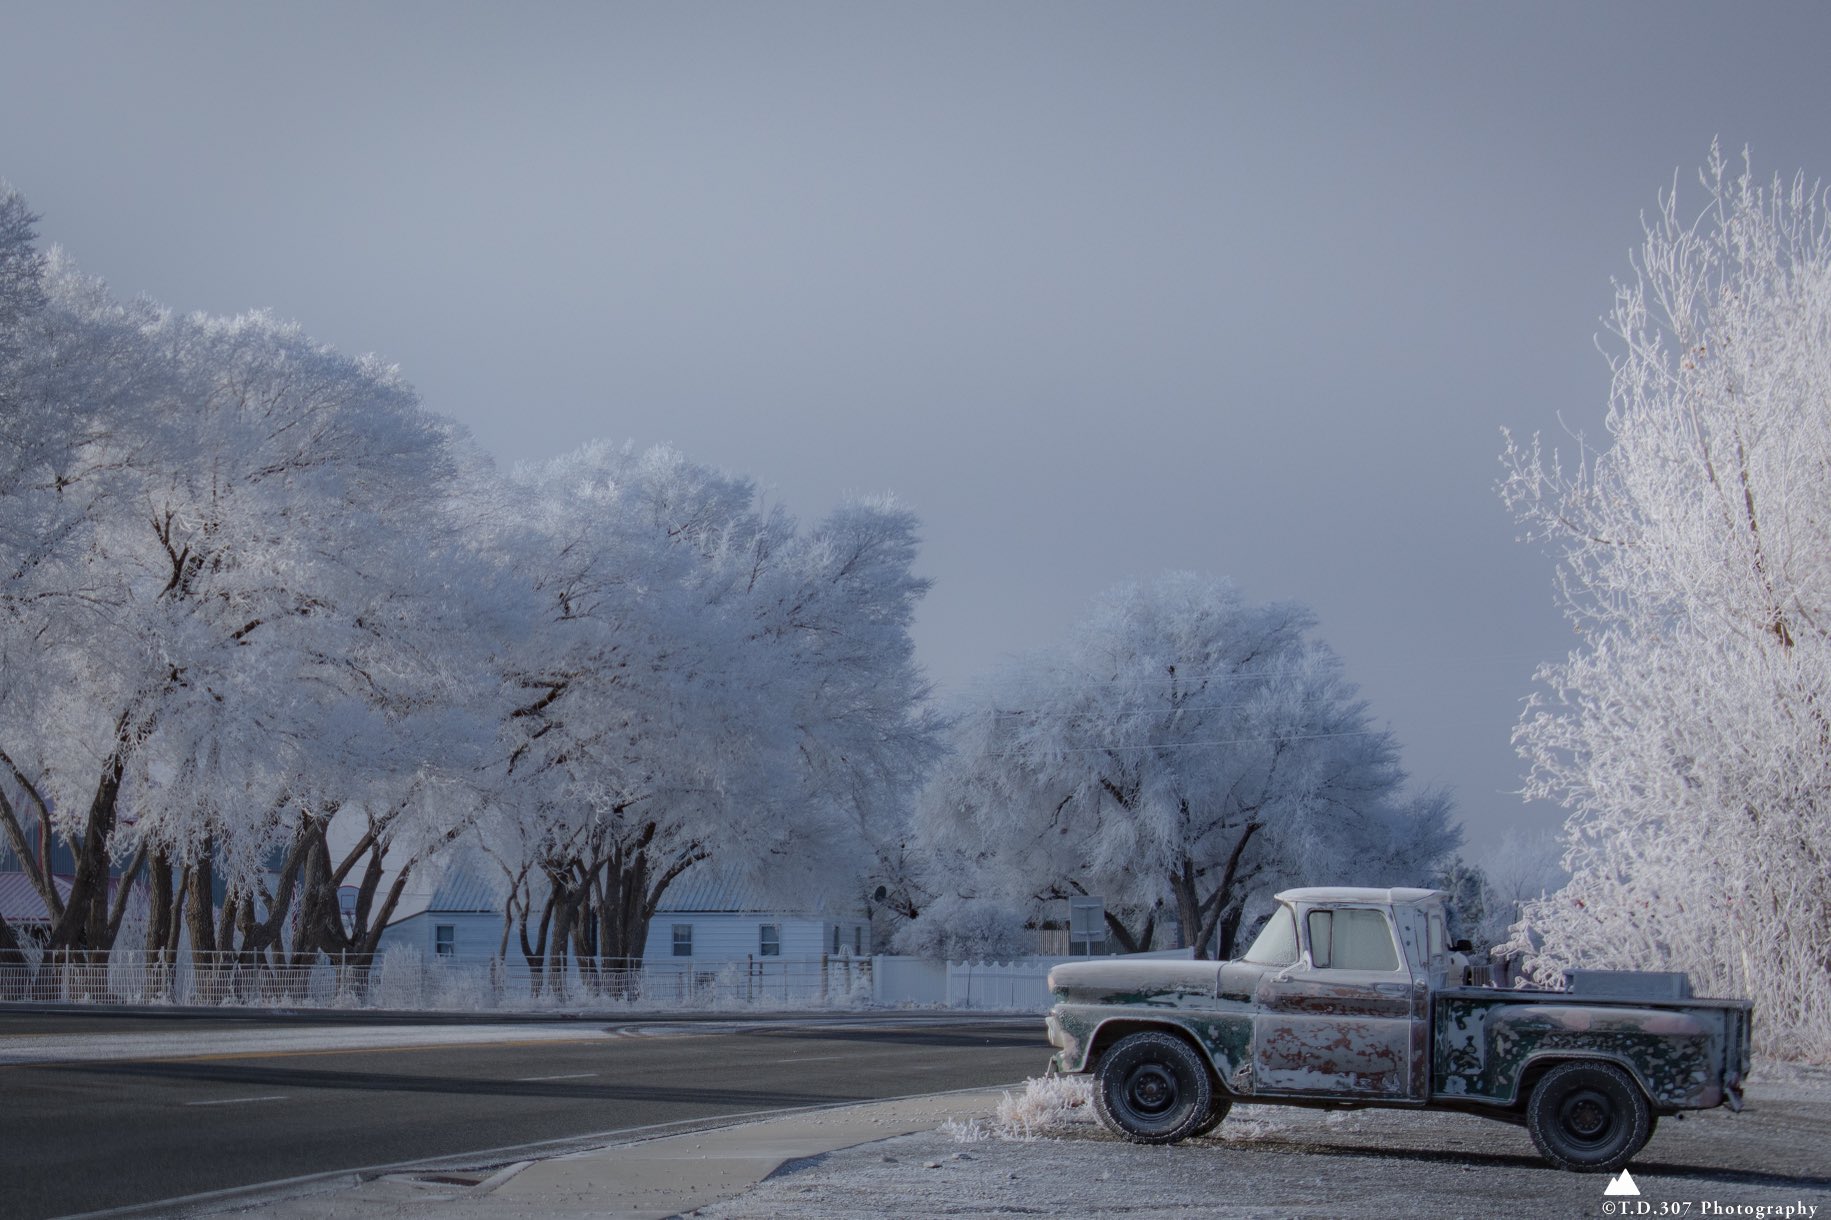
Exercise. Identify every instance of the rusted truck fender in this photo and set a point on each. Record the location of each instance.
(1487, 1051)
(1113, 997)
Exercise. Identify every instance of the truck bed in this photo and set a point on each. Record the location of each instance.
(1687, 1054)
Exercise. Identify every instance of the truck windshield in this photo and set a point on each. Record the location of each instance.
(1277, 942)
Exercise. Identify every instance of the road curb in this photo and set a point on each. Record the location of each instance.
(345, 1192)
(665, 1176)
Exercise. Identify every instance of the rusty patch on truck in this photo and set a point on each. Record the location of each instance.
(1337, 1056)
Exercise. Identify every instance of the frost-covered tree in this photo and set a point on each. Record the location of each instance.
(1689, 735)
(21, 273)
(1488, 895)
(708, 681)
(269, 629)
(21, 298)
(1184, 755)
(209, 535)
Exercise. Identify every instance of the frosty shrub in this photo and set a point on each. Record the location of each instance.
(1689, 734)
(399, 979)
(1047, 1106)
(1048, 1103)
(460, 988)
(321, 983)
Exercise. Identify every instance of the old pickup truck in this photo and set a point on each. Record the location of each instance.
(1345, 1000)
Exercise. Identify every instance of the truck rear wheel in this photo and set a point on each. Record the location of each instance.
(1153, 1088)
(1588, 1117)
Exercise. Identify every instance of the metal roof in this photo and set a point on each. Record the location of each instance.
(1349, 893)
(712, 893)
(466, 888)
(474, 885)
(19, 900)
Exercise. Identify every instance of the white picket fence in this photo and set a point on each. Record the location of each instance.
(1014, 986)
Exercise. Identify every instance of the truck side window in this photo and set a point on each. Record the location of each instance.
(1277, 943)
(1351, 938)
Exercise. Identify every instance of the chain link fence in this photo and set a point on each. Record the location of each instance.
(404, 979)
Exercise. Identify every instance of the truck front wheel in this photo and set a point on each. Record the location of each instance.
(1153, 1088)
(1588, 1117)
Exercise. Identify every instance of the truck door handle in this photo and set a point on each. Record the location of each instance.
(1392, 988)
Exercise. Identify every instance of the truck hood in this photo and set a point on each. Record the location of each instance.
(1156, 981)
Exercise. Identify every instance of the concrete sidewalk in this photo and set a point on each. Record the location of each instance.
(648, 1179)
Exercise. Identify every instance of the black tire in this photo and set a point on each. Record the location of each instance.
(1217, 1110)
(1588, 1117)
(1154, 1088)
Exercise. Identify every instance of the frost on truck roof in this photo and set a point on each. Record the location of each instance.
(1350, 893)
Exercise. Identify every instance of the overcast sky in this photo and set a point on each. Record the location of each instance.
(1098, 290)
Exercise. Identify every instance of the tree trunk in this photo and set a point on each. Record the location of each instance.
(1129, 943)
(565, 907)
(320, 927)
(85, 919)
(643, 886)
(1227, 936)
(122, 892)
(160, 930)
(535, 952)
(175, 919)
(1200, 916)
(257, 938)
(11, 953)
(626, 911)
(372, 921)
(200, 903)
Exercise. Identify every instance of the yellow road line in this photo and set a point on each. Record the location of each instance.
(321, 1051)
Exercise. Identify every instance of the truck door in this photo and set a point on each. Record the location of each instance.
(1339, 1021)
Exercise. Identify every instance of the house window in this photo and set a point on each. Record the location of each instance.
(445, 939)
(683, 940)
(769, 940)
(858, 939)
(836, 931)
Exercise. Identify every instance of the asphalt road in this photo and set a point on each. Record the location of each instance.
(99, 1113)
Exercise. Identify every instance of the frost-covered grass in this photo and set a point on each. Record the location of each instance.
(1047, 1106)
(1268, 1161)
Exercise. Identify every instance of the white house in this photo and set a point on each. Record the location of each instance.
(703, 922)
(712, 921)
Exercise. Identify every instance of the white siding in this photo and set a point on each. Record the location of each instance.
(475, 935)
(718, 936)
(723, 936)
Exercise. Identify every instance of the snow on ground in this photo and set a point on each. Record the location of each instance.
(1283, 1161)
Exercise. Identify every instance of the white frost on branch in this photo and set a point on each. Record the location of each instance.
(1688, 735)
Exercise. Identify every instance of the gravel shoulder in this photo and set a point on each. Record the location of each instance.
(1279, 1161)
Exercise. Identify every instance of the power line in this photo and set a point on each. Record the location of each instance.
(1338, 668)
